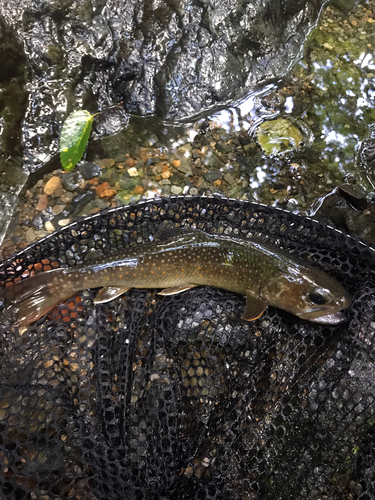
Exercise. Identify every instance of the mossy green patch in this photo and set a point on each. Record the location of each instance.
(278, 136)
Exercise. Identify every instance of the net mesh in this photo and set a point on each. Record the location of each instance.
(151, 397)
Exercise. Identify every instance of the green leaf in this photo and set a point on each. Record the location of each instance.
(74, 136)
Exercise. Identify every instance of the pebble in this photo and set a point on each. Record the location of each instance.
(67, 197)
(42, 202)
(30, 235)
(72, 180)
(82, 199)
(229, 178)
(63, 222)
(176, 190)
(212, 175)
(185, 168)
(193, 190)
(49, 226)
(88, 170)
(57, 209)
(127, 182)
(58, 193)
(106, 162)
(186, 148)
(53, 184)
(130, 162)
(133, 172)
(37, 222)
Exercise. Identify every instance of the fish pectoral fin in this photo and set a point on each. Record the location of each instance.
(109, 293)
(255, 307)
(173, 290)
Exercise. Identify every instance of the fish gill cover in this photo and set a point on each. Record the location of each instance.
(151, 397)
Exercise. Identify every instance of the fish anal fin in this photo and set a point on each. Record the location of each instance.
(109, 293)
(255, 307)
(173, 290)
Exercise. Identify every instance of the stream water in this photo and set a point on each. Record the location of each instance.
(193, 105)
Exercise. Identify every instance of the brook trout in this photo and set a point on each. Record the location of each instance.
(183, 258)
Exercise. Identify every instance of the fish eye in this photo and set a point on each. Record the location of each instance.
(317, 298)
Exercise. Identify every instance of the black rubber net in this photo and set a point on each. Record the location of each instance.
(151, 397)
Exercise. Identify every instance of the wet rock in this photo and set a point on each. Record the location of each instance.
(185, 168)
(53, 184)
(229, 178)
(212, 175)
(42, 202)
(49, 227)
(72, 180)
(354, 195)
(57, 209)
(88, 170)
(37, 222)
(30, 235)
(128, 182)
(67, 197)
(176, 189)
(338, 210)
(82, 199)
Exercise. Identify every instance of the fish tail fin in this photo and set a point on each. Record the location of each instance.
(34, 297)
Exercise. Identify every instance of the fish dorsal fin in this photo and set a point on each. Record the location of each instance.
(109, 293)
(255, 307)
(173, 290)
(164, 234)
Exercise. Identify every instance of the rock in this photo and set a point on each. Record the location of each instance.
(53, 184)
(212, 175)
(193, 191)
(57, 209)
(104, 190)
(37, 222)
(229, 178)
(133, 172)
(127, 182)
(88, 170)
(139, 189)
(72, 180)
(176, 190)
(58, 193)
(185, 168)
(30, 235)
(106, 163)
(63, 222)
(42, 202)
(130, 162)
(186, 149)
(49, 226)
(82, 199)
(67, 197)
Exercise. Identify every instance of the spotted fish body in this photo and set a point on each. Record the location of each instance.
(180, 259)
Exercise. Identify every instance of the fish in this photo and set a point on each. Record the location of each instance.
(179, 259)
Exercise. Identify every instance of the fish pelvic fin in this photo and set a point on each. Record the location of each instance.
(255, 307)
(108, 293)
(173, 290)
(34, 297)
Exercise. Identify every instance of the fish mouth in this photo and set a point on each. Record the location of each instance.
(329, 319)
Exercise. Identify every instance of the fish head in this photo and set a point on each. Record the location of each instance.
(308, 293)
